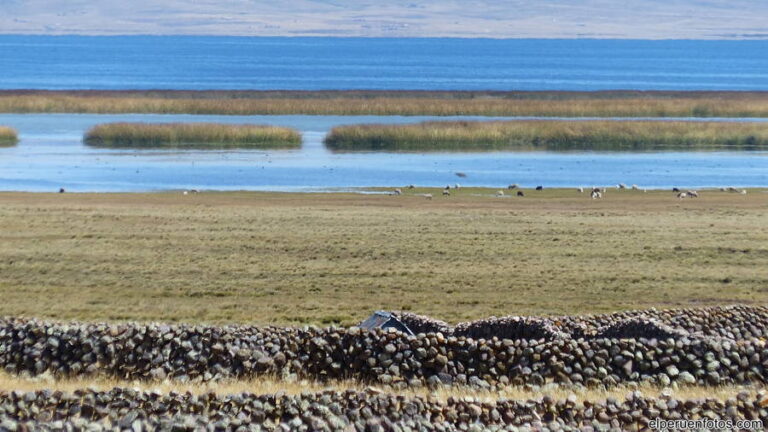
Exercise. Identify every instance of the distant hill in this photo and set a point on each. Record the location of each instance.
(646, 19)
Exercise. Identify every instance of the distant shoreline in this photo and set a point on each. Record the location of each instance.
(725, 37)
(613, 103)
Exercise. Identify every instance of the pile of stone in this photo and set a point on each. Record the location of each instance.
(731, 322)
(423, 324)
(125, 409)
(511, 327)
(738, 322)
(637, 328)
(487, 353)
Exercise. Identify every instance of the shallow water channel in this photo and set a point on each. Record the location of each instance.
(51, 155)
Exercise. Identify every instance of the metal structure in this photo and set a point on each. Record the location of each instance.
(384, 320)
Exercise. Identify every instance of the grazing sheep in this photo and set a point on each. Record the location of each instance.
(185, 192)
(596, 194)
(538, 188)
(428, 196)
(500, 193)
(682, 195)
(634, 187)
(512, 186)
(446, 192)
(581, 190)
(743, 192)
(674, 189)
(722, 189)
(692, 193)
(621, 186)
(520, 193)
(398, 191)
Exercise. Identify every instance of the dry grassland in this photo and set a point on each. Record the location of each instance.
(289, 259)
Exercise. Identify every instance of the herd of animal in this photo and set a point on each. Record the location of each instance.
(594, 193)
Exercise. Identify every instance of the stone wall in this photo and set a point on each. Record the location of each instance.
(706, 346)
(126, 409)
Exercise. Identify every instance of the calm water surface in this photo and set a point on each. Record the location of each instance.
(51, 155)
(268, 63)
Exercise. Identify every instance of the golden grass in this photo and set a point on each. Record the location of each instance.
(191, 135)
(549, 135)
(268, 385)
(565, 104)
(8, 136)
(289, 259)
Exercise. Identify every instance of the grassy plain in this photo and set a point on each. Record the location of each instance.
(549, 135)
(191, 135)
(8, 136)
(487, 103)
(276, 258)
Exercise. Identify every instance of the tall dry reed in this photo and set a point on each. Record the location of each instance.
(8, 136)
(565, 104)
(191, 135)
(549, 135)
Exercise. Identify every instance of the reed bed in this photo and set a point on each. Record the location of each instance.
(8, 136)
(549, 135)
(562, 104)
(191, 135)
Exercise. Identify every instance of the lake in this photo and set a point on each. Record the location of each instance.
(51, 155)
(269, 63)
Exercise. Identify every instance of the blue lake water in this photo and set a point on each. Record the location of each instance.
(51, 155)
(190, 62)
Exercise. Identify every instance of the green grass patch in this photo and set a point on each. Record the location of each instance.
(191, 135)
(8, 137)
(600, 135)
